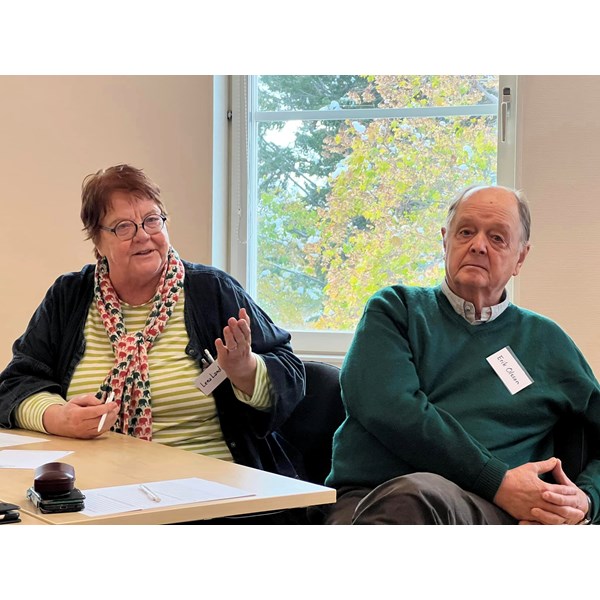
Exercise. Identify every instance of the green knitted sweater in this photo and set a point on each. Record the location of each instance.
(420, 395)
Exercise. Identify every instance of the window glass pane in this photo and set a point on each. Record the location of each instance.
(312, 92)
(334, 92)
(345, 207)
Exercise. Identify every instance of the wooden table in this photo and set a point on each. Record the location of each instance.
(115, 459)
(26, 519)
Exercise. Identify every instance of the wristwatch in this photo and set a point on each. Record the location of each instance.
(587, 519)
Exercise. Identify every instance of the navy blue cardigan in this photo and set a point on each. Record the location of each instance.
(45, 357)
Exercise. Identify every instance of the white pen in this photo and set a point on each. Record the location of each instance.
(209, 356)
(149, 493)
(109, 398)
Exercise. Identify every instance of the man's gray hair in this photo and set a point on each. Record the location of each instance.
(524, 214)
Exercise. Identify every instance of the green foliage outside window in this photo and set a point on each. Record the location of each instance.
(346, 207)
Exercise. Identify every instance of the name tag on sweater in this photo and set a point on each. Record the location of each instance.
(210, 378)
(511, 372)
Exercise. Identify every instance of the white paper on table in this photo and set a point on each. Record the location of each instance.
(29, 459)
(127, 498)
(10, 439)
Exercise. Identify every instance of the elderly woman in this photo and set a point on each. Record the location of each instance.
(122, 344)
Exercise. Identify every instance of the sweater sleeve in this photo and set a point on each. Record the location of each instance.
(32, 368)
(43, 356)
(589, 479)
(30, 413)
(215, 297)
(261, 398)
(382, 391)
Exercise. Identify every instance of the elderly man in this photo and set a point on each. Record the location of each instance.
(452, 392)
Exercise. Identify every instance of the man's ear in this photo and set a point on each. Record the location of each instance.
(444, 238)
(522, 255)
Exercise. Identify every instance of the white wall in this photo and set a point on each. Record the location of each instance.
(56, 130)
(559, 169)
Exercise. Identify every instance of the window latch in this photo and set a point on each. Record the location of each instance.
(504, 112)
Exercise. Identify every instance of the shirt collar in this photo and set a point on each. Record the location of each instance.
(467, 309)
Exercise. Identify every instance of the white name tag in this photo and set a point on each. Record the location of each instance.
(210, 378)
(511, 372)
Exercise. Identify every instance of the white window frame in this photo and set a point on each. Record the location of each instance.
(329, 346)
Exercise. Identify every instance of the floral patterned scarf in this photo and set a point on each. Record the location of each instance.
(129, 377)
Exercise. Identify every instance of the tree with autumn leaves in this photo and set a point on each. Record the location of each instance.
(362, 205)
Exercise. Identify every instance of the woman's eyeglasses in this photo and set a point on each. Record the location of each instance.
(126, 230)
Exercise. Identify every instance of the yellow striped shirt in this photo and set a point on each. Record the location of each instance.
(182, 415)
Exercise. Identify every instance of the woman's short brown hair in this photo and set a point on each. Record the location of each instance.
(97, 189)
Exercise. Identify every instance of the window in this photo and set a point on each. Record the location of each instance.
(341, 183)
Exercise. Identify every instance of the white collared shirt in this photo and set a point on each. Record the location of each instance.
(467, 309)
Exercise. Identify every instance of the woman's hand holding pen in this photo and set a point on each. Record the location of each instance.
(79, 417)
(235, 355)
